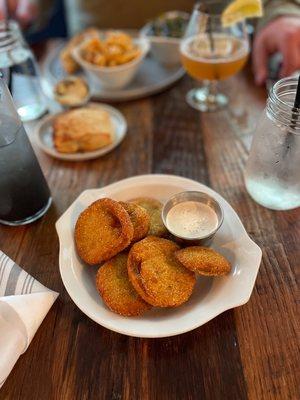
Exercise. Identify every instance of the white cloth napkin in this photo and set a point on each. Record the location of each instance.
(24, 303)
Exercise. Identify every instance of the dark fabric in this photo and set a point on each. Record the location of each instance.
(135, 13)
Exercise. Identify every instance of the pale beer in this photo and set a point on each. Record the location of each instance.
(214, 57)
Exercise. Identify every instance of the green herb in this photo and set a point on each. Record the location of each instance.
(173, 27)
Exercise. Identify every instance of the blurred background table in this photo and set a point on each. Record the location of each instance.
(247, 353)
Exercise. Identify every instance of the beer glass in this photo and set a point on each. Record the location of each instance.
(211, 52)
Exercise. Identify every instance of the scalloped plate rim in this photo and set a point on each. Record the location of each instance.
(154, 179)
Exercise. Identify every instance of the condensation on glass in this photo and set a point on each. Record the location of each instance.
(24, 193)
(272, 174)
(21, 72)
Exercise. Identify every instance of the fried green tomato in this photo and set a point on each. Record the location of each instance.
(154, 208)
(116, 290)
(166, 281)
(203, 260)
(140, 220)
(102, 230)
(146, 249)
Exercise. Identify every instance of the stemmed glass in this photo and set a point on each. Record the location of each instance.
(211, 51)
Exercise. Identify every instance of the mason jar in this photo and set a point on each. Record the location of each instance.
(272, 174)
(21, 72)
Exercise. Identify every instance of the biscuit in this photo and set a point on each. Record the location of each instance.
(82, 129)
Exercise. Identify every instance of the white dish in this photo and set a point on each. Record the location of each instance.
(43, 134)
(113, 77)
(211, 297)
(152, 77)
(164, 49)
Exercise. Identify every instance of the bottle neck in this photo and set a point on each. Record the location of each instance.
(7, 106)
(10, 35)
(280, 105)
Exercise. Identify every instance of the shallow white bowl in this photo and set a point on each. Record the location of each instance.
(211, 296)
(113, 77)
(164, 49)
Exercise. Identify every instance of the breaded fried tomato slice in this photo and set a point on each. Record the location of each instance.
(116, 290)
(140, 220)
(146, 249)
(203, 260)
(154, 208)
(166, 281)
(102, 231)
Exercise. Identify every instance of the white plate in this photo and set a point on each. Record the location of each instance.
(211, 296)
(152, 77)
(43, 134)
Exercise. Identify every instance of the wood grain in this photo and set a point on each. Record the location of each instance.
(251, 352)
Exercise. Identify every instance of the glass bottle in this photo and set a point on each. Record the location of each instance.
(272, 174)
(24, 193)
(19, 67)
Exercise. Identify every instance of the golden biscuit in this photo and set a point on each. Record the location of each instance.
(140, 220)
(82, 129)
(116, 290)
(166, 281)
(203, 260)
(154, 208)
(102, 231)
(146, 249)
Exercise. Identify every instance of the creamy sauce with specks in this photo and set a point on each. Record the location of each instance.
(191, 219)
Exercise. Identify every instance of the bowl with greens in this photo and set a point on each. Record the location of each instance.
(164, 34)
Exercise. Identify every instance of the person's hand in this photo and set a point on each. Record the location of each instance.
(280, 35)
(24, 11)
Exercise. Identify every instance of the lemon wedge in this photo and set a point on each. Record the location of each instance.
(241, 9)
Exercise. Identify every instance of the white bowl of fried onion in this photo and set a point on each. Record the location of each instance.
(112, 76)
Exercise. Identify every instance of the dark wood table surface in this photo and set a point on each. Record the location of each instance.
(251, 352)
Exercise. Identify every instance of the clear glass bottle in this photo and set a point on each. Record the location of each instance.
(272, 174)
(18, 65)
(24, 193)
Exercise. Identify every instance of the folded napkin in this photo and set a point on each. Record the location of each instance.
(24, 303)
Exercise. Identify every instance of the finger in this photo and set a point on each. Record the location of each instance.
(2, 9)
(26, 11)
(7, 8)
(12, 6)
(260, 59)
(291, 56)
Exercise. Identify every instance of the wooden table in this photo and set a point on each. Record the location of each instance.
(247, 353)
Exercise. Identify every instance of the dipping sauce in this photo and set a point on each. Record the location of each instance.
(191, 220)
(71, 91)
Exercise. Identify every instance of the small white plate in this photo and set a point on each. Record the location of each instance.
(43, 135)
(211, 296)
